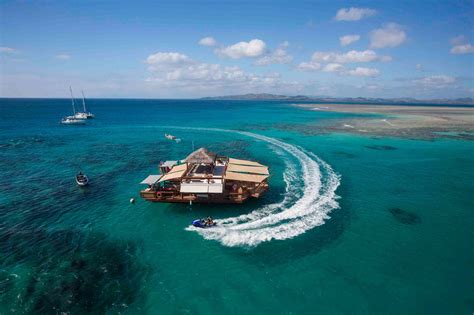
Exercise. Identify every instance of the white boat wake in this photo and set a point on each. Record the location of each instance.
(310, 195)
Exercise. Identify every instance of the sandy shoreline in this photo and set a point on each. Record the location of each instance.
(400, 121)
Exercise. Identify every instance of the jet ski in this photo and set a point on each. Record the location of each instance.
(203, 223)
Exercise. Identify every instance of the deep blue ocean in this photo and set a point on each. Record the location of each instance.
(351, 224)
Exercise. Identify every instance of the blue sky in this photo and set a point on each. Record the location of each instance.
(421, 49)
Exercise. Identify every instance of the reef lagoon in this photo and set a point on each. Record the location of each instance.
(353, 223)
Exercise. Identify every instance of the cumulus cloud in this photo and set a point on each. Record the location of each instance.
(462, 49)
(461, 46)
(348, 39)
(333, 67)
(352, 56)
(390, 35)
(253, 48)
(63, 57)
(435, 81)
(278, 56)
(8, 50)
(309, 66)
(207, 41)
(162, 61)
(353, 14)
(176, 70)
(364, 72)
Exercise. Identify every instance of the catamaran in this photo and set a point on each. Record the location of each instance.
(72, 120)
(85, 114)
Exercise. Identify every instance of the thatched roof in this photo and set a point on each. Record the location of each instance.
(201, 155)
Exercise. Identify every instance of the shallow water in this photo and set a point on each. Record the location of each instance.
(351, 224)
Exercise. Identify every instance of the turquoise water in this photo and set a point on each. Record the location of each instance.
(385, 227)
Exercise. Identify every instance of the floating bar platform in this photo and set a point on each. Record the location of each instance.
(204, 177)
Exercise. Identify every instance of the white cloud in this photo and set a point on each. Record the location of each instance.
(162, 61)
(353, 14)
(309, 66)
(390, 35)
(63, 57)
(207, 41)
(461, 46)
(8, 50)
(253, 48)
(348, 39)
(278, 56)
(352, 56)
(364, 72)
(435, 81)
(419, 67)
(333, 67)
(462, 49)
(178, 71)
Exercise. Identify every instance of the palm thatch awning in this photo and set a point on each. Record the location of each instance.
(201, 155)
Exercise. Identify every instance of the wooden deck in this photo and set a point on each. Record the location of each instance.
(225, 197)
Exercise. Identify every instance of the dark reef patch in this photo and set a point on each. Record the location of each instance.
(345, 154)
(405, 217)
(381, 147)
(70, 271)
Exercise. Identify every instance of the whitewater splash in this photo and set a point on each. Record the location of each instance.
(310, 195)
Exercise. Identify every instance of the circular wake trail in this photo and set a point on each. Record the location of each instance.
(315, 185)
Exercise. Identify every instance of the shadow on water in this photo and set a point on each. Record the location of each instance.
(69, 271)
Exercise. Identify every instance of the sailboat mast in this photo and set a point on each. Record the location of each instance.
(84, 101)
(72, 101)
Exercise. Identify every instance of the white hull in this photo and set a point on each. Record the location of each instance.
(71, 120)
(82, 180)
(83, 115)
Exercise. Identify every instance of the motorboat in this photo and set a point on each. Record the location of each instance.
(82, 179)
(170, 137)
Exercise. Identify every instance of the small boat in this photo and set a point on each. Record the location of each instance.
(82, 179)
(74, 119)
(170, 137)
(71, 120)
(203, 223)
(85, 114)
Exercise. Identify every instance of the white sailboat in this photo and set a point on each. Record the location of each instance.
(72, 120)
(85, 114)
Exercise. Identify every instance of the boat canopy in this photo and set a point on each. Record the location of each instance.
(248, 169)
(178, 168)
(245, 177)
(151, 179)
(201, 155)
(243, 162)
(172, 175)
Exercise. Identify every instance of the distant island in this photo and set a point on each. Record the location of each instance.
(356, 100)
